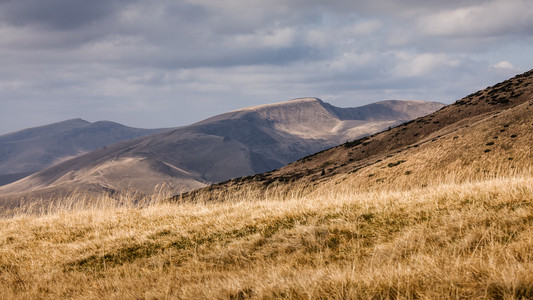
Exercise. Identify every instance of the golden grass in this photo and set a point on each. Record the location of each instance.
(467, 240)
(491, 148)
(449, 216)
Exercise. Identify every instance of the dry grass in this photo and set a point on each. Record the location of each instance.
(469, 240)
(439, 208)
(493, 147)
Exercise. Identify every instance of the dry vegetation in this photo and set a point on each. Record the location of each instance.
(462, 240)
(441, 207)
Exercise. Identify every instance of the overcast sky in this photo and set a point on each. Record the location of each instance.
(170, 63)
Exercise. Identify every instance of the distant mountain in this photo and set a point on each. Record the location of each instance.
(234, 144)
(30, 150)
(487, 134)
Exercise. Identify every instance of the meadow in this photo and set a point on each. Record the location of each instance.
(467, 239)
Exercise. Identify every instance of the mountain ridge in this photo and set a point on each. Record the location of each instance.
(35, 131)
(486, 132)
(30, 150)
(242, 142)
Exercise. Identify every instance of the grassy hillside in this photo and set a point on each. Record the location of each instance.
(441, 207)
(238, 143)
(472, 240)
(486, 133)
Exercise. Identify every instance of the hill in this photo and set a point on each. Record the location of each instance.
(445, 241)
(243, 142)
(488, 133)
(30, 150)
(442, 209)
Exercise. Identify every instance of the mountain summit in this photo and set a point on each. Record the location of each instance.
(311, 118)
(486, 134)
(234, 144)
(30, 150)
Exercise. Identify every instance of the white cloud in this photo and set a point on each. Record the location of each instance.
(350, 62)
(499, 17)
(413, 65)
(364, 28)
(276, 38)
(505, 65)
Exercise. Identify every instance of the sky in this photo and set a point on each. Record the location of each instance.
(170, 63)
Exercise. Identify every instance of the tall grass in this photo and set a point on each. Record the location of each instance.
(457, 240)
(82, 201)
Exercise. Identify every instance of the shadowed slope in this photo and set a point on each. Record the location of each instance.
(238, 143)
(415, 233)
(33, 149)
(488, 133)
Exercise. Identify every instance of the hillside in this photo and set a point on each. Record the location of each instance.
(470, 241)
(30, 150)
(243, 142)
(442, 209)
(488, 133)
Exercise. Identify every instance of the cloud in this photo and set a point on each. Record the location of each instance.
(416, 65)
(172, 62)
(496, 18)
(504, 65)
(57, 14)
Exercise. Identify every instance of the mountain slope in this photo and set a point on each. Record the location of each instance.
(434, 223)
(238, 143)
(486, 134)
(33, 149)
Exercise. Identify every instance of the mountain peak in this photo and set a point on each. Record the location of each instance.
(284, 104)
(39, 131)
(75, 120)
(279, 112)
(242, 142)
(33, 149)
(487, 133)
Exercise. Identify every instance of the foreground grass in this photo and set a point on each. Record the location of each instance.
(470, 240)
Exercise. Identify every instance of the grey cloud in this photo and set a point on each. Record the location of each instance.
(263, 56)
(168, 63)
(57, 14)
(178, 34)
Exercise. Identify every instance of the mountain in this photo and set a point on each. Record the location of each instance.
(242, 142)
(487, 134)
(434, 208)
(30, 150)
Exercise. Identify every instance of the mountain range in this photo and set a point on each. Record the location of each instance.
(487, 134)
(30, 150)
(432, 208)
(238, 143)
